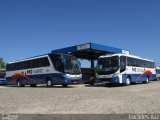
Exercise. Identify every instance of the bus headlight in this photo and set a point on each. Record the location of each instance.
(73, 76)
(67, 75)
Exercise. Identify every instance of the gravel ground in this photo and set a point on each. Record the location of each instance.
(81, 99)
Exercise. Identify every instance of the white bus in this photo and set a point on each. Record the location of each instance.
(125, 69)
(158, 73)
(50, 69)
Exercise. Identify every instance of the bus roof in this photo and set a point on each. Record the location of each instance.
(30, 58)
(127, 55)
(35, 57)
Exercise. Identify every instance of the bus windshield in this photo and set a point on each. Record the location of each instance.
(107, 65)
(71, 65)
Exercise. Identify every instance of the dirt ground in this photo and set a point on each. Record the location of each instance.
(81, 99)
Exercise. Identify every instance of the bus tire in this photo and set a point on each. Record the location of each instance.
(147, 80)
(19, 83)
(128, 81)
(33, 85)
(64, 85)
(49, 82)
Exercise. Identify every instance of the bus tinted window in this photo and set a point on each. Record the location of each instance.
(20, 65)
(27, 64)
(8, 67)
(131, 61)
(44, 62)
(11, 67)
(54, 58)
(122, 63)
(35, 63)
(139, 63)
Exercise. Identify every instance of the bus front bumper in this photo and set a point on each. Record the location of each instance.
(113, 80)
(73, 79)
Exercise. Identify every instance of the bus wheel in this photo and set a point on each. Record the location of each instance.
(147, 80)
(49, 83)
(33, 85)
(64, 85)
(128, 81)
(19, 84)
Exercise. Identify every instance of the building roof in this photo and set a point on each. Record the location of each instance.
(90, 51)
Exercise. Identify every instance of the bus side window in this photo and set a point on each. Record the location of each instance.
(8, 67)
(122, 63)
(11, 67)
(59, 65)
(35, 63)
(57, 62)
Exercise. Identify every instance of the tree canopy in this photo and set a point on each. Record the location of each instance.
(2, 64)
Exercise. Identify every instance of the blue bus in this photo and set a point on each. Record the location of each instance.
(50, 69)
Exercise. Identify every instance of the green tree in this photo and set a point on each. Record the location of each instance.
(2, 64)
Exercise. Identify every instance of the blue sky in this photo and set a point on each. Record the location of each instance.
(34, 27)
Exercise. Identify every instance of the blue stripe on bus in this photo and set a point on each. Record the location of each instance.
(135, 76)
(57, 79)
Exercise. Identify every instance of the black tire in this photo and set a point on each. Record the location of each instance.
(64, 85)
(49, 82)
(19, 83)
(156, 79)
(33, 85)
